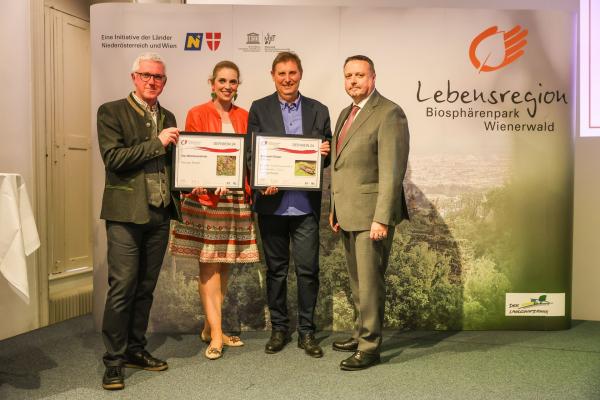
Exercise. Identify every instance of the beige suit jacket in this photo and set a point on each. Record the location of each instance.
(367, 174)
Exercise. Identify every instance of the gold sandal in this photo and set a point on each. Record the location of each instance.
(204, 338)
(232, 341)
(212, 353)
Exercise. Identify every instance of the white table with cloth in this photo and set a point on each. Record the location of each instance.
(18, 232)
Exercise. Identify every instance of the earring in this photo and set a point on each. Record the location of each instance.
(213, 95)
(235, 96)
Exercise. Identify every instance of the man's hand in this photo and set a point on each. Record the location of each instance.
(270, 190)
(378, 231)
(335, 227)
(168, 136)
(222, 191)
(325, 148)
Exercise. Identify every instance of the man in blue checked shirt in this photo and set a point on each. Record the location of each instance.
(290, 216)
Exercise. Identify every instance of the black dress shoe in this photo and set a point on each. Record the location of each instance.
(113, 378)
(144, 360)
(360, 360)
(310, 345)
(345, 345)
(277, 342)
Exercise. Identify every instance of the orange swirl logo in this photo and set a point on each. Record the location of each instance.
(497, 48)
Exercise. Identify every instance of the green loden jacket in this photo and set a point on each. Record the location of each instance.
(126, 144)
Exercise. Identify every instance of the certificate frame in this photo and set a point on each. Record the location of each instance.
(307, 172)
(211, 149)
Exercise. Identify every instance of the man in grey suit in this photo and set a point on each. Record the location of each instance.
(370, 153)
(286, 216)
(135, 135)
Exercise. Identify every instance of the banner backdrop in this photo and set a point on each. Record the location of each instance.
(488, 96)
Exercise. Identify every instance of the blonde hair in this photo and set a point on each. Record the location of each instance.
(221, 65)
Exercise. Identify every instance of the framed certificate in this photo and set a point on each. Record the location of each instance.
(288, 162)
(209, 160)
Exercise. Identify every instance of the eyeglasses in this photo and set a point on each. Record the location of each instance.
(145, 77)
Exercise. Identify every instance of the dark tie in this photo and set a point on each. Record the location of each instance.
(346, 128)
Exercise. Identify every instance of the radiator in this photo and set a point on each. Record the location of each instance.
(70, 304)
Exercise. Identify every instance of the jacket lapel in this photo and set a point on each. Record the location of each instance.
(308, 118)
(135, 105)
(274, 112)
(363, 115)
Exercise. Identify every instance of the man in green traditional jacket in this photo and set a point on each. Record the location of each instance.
(135, 136)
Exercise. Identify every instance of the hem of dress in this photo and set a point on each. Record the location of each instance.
(218, 261)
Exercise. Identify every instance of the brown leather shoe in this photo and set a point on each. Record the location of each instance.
(277, 342)
(360, 360)
(144, 360)
(310, 345)
(113, 378)
(345, 345)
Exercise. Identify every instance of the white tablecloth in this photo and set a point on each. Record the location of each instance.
(18, 233)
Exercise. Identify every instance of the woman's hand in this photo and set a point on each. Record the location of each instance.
(222, 191)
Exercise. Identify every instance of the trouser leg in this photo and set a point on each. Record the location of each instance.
(305, 251)
(152, 253)
(348, 240)
(371, 264)
(123, 242)
(274, 232)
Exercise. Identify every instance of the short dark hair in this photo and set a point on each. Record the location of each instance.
(286, 56)
(359, 57)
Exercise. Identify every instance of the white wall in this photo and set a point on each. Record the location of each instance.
(16, 151)
(586, 237)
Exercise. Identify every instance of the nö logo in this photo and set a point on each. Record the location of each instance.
(193, 41)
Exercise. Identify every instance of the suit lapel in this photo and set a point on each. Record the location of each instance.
(363, 115)
(308, 117)
(274, 112)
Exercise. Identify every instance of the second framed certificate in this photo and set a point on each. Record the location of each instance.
(208, 160)
(286, 161)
